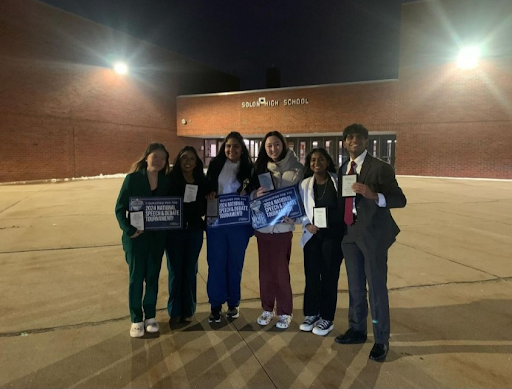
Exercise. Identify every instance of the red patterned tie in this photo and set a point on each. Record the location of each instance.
(349, 201)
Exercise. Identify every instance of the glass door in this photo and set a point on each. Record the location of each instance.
(342, 153)
(383, 147)
(291, 144)
(210, 150)
(387, 149)
(256, 150)
(303, 150)
(329, 146)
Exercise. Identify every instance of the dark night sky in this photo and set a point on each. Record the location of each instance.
(311, 41)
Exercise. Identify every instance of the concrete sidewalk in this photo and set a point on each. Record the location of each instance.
(63, 288)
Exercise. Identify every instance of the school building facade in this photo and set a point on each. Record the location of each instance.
(436, 119)
(64, 113)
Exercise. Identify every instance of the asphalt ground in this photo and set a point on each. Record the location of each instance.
(65, 322)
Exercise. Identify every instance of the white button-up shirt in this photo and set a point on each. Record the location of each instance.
(359, 165)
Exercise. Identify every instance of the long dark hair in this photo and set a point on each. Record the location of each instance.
(143, 164)
(245, 160)
(307, 165)
(198, 172)
(261, 162)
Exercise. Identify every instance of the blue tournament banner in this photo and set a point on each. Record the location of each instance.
(233, 210)
(270, 209)
(159, 213)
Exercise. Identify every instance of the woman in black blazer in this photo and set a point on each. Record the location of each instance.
(183, 246)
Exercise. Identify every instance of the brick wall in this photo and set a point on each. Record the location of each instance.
(455, 122)
(65, 113)
(449, 122)
(328, 109)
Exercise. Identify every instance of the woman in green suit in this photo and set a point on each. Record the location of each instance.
(143, 249)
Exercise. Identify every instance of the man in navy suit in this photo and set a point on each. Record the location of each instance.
(371, 230)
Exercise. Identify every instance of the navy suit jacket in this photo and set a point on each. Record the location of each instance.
(376, 226)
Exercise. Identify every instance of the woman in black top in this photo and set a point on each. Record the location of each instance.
(183, 246)
(322, 246)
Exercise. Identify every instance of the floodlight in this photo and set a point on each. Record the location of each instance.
(468, 57)
(121, 67)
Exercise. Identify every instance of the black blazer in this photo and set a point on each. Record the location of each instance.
(192, 212)
(377, 224)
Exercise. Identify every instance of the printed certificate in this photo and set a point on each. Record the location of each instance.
(137, 220)
(190, 193)
(346, 185)
(266, 181)
(320, 217)
(212, 208)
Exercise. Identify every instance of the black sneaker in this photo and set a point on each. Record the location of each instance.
(232, 312)
(309, 323)
(215, 315)
(323, 327)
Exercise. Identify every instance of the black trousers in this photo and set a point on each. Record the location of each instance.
(322, 261)
(183, 248)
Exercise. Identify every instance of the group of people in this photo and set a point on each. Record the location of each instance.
(359, 228)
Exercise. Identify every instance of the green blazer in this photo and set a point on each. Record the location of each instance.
(137, 185)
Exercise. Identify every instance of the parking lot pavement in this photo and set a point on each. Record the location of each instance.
(63, 282)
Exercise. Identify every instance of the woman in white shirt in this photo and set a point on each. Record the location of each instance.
(321, 243)
(229, 172)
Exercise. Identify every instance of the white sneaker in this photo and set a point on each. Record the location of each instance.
(323, 327)
(265, 318)
(309, 323)
(151, 325)
(137, 330)
(284, 321)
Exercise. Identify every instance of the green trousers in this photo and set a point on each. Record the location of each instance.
(144, 262)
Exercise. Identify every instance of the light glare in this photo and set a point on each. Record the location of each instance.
(468, 57)
(121, 68)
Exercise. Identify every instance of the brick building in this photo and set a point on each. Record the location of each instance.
(434, 120)
(65, 113)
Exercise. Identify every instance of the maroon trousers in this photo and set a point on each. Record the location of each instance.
(274, 252)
